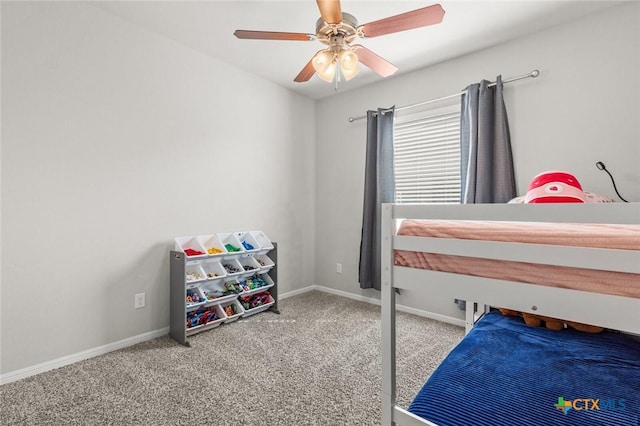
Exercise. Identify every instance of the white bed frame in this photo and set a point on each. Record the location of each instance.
(615, 312)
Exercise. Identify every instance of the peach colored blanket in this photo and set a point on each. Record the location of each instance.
(625, 237)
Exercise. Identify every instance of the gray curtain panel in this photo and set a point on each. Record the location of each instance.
(486, 161)
(379, 187)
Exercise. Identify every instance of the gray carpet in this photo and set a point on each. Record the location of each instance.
(317, 363)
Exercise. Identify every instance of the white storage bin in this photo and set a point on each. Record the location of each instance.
(264, 262)
(249, 265)
(194, 273)
(220, 299)
(232, 287)
(201, 318)
(248, 242)
(218, 292)
(263, 241)
(232, 267)
(213, 270)
(251, 311)
(194, 298)
(220, 316)
(212, 245)
(212, 293)
(234, 308)
(233, 241)
(184, 244)
(263, 279)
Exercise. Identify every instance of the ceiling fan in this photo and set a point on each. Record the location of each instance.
(338, 30)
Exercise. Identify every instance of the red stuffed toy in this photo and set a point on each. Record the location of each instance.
(555, 187)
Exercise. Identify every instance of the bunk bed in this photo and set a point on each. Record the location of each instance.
(503, 371)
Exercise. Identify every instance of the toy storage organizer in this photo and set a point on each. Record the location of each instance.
(220, 278)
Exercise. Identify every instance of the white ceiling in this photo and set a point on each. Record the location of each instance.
(208, 26)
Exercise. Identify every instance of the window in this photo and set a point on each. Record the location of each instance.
(427, 157)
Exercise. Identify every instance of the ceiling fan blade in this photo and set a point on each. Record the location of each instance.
(273, 35)
(330, 11)
(373, 61)
(307, 72)
(429, 15)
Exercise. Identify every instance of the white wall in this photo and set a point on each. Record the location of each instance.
(114, 141)
(583, 108)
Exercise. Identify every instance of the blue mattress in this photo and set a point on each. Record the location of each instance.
(507, 373)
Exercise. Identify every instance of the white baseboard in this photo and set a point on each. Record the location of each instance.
(374, 301)
(23, 373)
(297, 292)
(431, 315)
(101, 350)
(80, 356)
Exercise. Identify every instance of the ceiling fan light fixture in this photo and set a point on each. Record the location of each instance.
(348, 63)
(329, 73)
(322, 60)
(349, 74)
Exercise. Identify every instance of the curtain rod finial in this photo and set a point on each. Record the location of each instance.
(535, 73)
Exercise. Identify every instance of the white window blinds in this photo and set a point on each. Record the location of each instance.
(427, 157)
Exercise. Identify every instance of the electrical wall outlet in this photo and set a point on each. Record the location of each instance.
(138, 301)
(339, 268)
